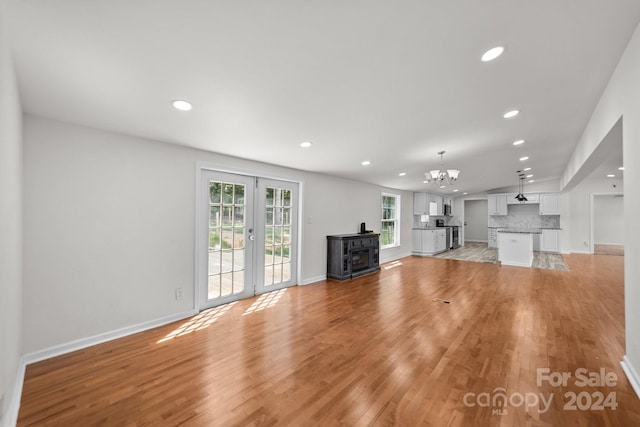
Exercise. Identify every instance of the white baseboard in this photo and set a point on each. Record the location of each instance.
(632, 375)
(14, 406)
(311, 280)
(11, 417)
(394, 258)
(58, 350)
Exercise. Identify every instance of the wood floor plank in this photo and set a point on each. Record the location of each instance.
(403, 346)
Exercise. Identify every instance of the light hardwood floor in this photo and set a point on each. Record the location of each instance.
(384, 349)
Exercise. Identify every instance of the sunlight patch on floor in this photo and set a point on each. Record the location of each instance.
(265, 301)
(392, 264)
(198, 322)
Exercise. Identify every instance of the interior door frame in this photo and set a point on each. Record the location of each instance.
(200, 217)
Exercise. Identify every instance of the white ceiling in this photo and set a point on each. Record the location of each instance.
(390, 82)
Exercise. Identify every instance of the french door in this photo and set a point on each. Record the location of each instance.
(276, 237)
(247, 236)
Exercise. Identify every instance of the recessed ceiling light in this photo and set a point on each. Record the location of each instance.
(464, 194)
(305, 144)
(492, 54)
(611, 176)
(425, 182)
(402, 174)
(510, 114)
(182, 105)
(443, 186)
(366, 163)
(456, 190)
(532, 180)
(621, 168)
(526, 169)
(518, 142)
(529, 176)
(522, 159)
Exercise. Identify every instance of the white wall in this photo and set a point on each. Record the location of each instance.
(608, 220)
(579, 210)
(109, 228)
(621, 98)
(10, 232)
(476, 219)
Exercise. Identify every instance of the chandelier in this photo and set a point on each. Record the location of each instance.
(442, 175)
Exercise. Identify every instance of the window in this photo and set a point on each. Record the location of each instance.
(390, 230)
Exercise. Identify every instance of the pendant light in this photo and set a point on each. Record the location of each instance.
(520, 197)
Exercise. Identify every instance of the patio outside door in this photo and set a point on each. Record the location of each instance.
(247, 236)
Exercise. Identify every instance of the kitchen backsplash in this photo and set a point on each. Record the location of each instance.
(524, 216)
(448, 220)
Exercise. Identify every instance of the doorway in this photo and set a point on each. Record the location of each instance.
(607, 224)
(246, 236)
(476, 217)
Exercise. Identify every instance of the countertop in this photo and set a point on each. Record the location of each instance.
(539, 228)
(521, 230)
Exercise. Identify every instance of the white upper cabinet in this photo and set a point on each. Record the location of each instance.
(549, 204)
(420, 204)
(426, 203)
(497, 204)
(435, 205)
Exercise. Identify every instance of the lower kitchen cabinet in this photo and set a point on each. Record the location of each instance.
(550, 241)
(493, 238)
(429, 242)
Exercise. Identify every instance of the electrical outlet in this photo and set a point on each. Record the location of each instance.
(178, 294)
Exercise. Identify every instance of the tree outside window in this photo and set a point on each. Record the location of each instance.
(390, 229)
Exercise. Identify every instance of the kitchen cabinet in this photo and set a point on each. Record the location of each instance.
(493, 238)
(429, 204)
(550, 241)
(416, 241)
(429, 242)
(515, 248)
(420, 206)
(435, 204)
(497, 204)
(549, 204)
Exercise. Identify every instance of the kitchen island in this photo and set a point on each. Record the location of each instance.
(515, 246)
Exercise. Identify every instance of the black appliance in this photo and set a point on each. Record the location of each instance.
(447, 210)
(452, 234)
(363, 229)
(455, 236)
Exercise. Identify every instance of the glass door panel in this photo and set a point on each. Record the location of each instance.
(228, 238)
(276, 225)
